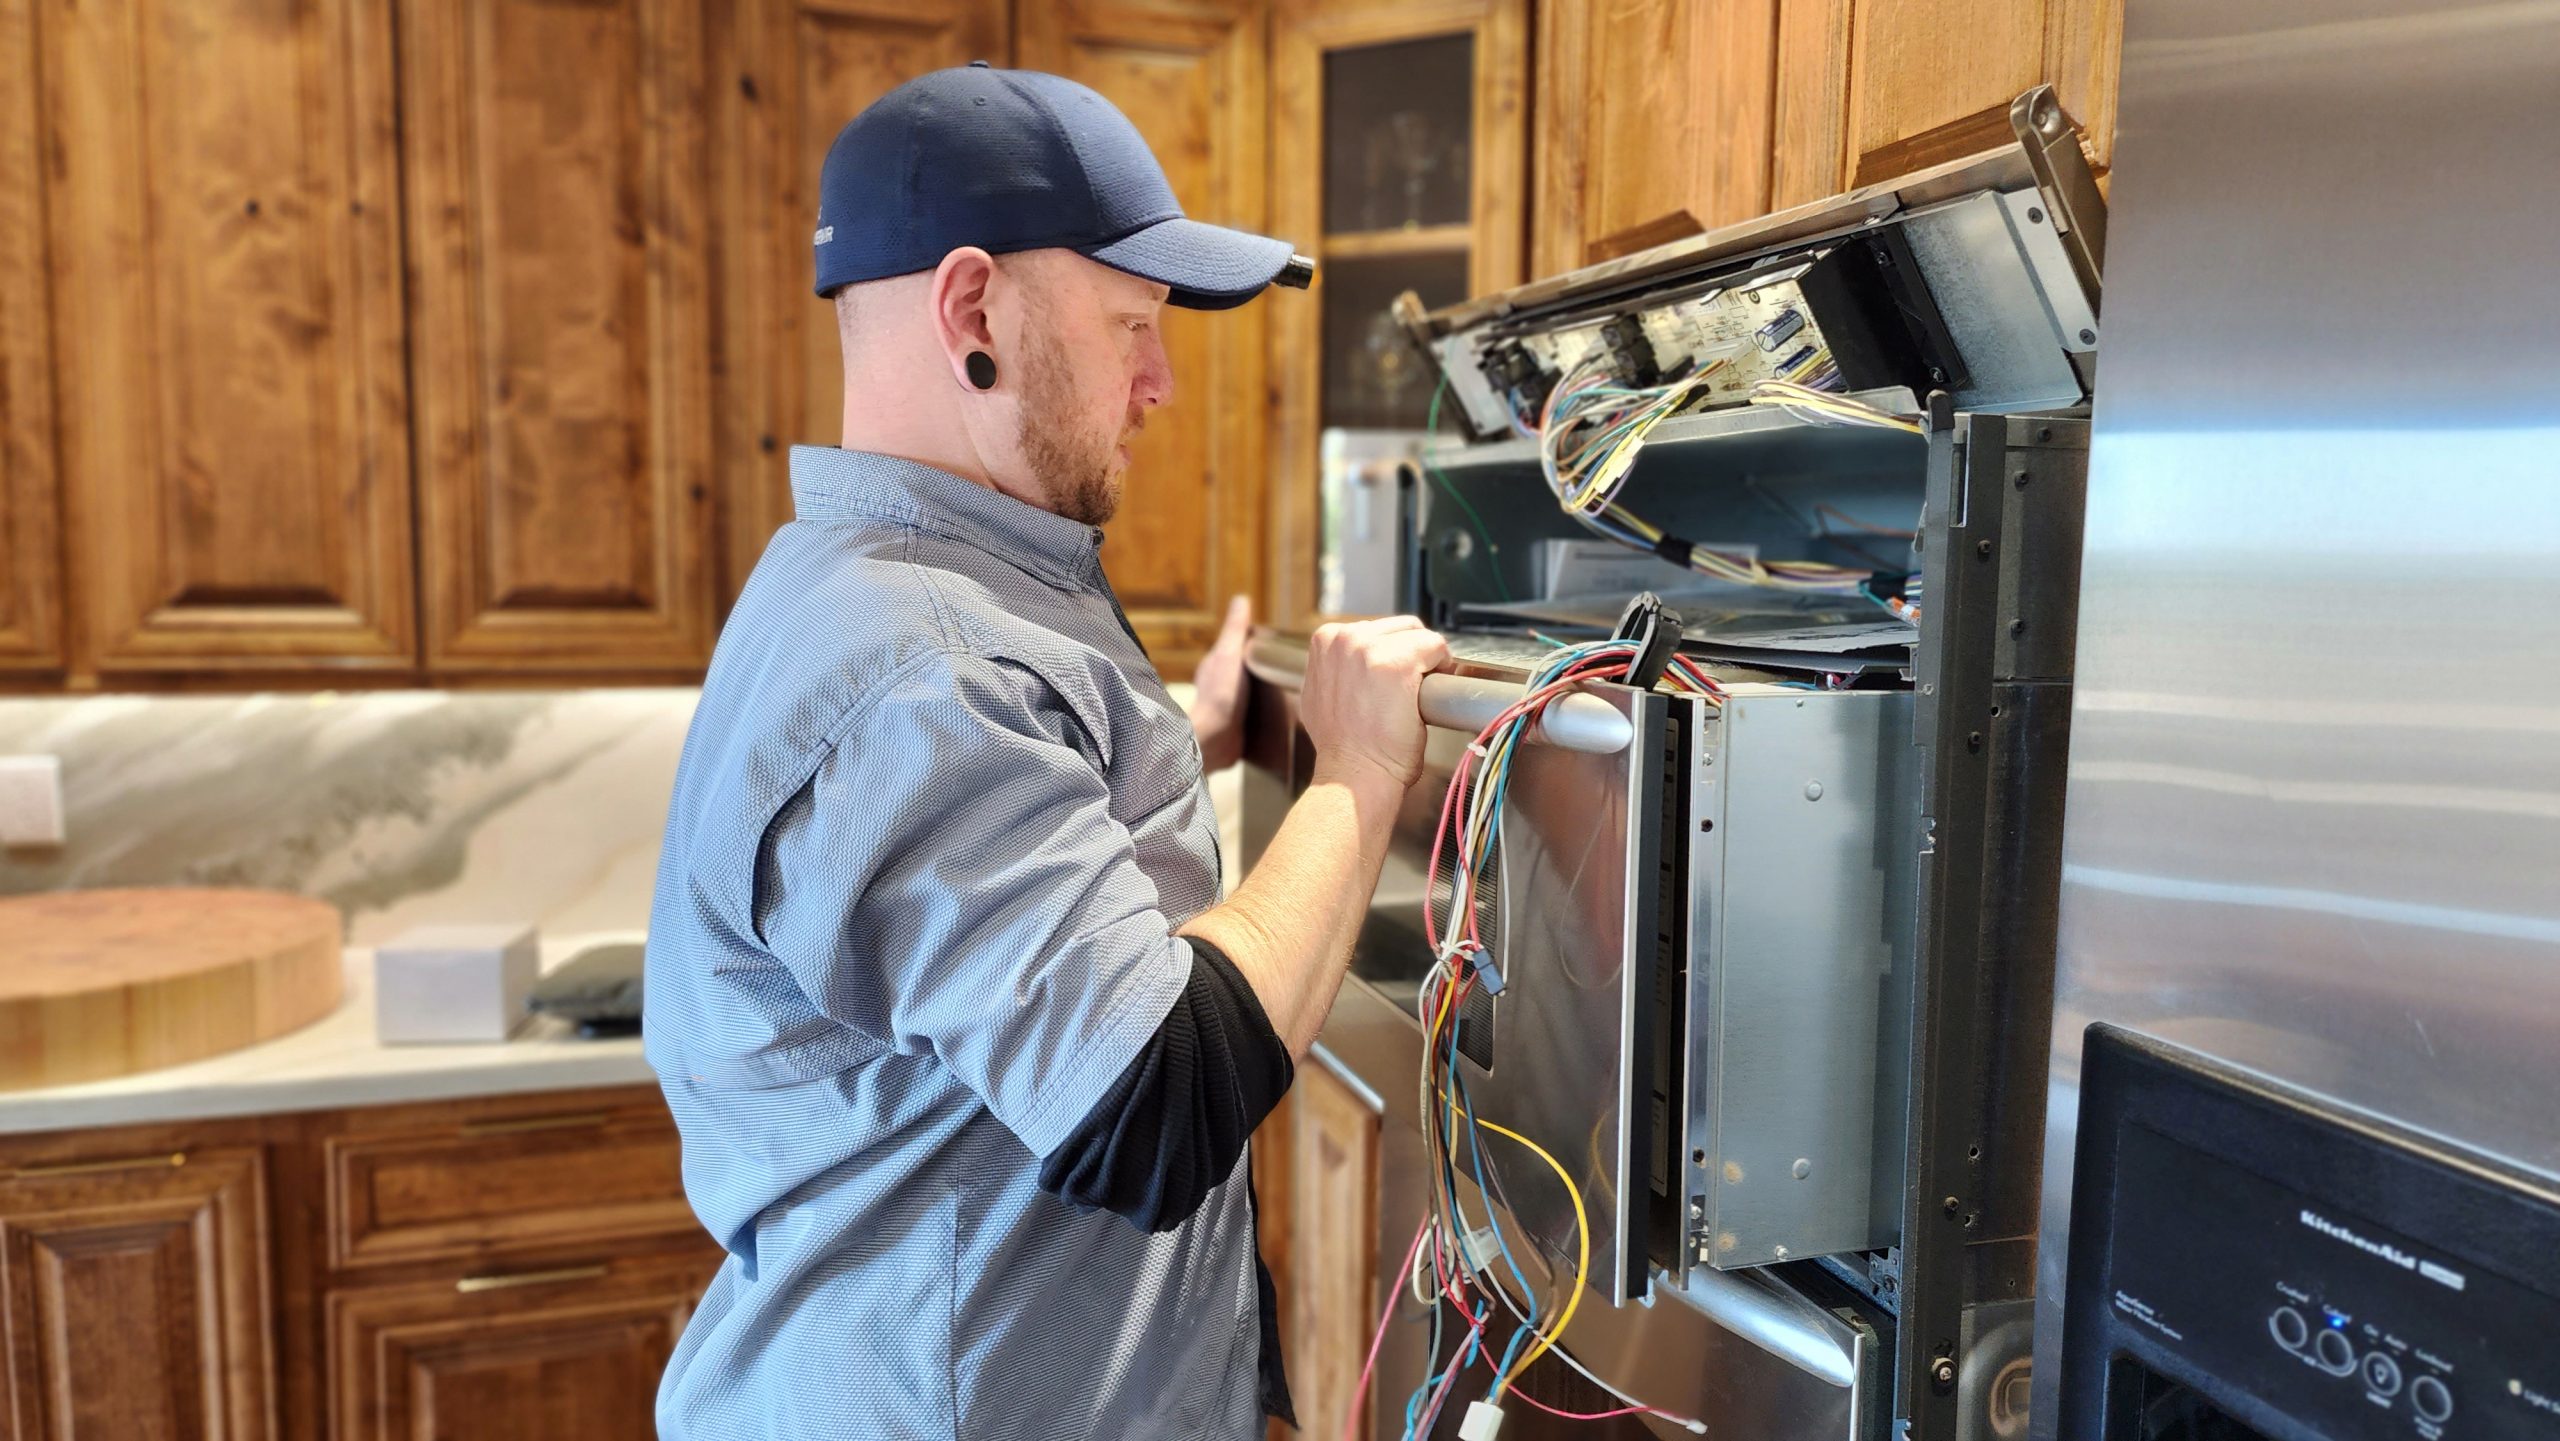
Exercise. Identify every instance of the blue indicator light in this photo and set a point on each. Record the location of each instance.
(2337, 1322)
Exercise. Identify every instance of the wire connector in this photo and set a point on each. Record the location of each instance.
(1483, 1423)
(1488, 974)
(1656, 634)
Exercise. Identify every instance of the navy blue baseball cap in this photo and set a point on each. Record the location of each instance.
(1011, 160)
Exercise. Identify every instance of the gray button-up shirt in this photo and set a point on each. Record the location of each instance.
(935, 824)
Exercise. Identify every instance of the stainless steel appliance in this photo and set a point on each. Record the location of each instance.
(1777, 973)
(2312, 866)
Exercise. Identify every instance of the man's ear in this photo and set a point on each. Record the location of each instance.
(960, 296)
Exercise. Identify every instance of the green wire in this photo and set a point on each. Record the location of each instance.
(1492, 562)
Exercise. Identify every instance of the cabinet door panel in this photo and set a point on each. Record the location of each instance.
(803, 68)
(1333, 1189)
(135, 1300)
(571, 1352)
(1654, 122)
(1860, 82)
(30, 580)
(225, 301)
(1191, 74)
(561, 330)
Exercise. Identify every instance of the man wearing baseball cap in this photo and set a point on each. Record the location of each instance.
(964, 1045)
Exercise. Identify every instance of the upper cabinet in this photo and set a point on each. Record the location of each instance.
(787, 75)
(226, 332)
(1663, 118)
(1192, 76)
(560, 319)
(1400, 146)
(30, 535)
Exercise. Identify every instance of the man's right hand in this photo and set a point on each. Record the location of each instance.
(1362, 700)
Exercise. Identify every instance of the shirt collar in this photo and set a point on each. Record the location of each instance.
(826, 481)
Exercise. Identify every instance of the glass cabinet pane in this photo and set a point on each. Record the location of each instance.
(1398, 128)
(1374, 378)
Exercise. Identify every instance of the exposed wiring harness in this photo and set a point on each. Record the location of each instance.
(1469, 834)
(1593, 427)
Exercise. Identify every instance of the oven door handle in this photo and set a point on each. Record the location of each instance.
(1583, 723)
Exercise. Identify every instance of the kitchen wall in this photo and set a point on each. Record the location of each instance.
(400, 808)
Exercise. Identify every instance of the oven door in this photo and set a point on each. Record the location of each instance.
(1578, 1053)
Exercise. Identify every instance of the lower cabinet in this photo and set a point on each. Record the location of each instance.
(494, 1269)
(514, 1355)
(135, 1290)
(1333, 1208)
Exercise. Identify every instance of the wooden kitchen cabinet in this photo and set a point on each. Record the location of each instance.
(1192, 76)
(223, 280)
(30, 534)
(1330, 1300)
(516, 1355)
(1659, 119)
(135, 1296)
(787, 75)
(493, 1268)
(560, 313)
(1399, 158)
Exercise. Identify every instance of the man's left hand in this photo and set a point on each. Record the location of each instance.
(1217, 701)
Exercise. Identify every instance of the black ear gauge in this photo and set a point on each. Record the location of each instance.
(982, 369)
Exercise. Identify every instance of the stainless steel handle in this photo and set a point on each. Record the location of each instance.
(1575, 722)
(472, 1285)
(1466, 703)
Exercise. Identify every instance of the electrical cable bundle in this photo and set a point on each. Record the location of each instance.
(1470, 832)
(1592, 428)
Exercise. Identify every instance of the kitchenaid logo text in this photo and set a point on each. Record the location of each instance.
(2384, 1250)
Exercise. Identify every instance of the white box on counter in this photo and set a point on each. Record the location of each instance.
(453, 983)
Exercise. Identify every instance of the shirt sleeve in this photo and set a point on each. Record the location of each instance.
(1171, 1127)
(951, 881)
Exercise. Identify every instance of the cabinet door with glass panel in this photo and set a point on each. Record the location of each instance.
(1399, 156)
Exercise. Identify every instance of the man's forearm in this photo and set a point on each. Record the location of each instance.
(1290, 925)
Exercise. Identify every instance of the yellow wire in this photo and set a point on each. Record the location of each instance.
(1581, 1263)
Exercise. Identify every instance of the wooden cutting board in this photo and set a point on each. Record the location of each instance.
(109, 982)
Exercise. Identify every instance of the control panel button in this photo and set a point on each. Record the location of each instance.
(2381, 1374)
(2336, 1352)
(2290, 1330)
(2431, 1399)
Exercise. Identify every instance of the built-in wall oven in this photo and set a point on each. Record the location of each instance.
(1775, 967)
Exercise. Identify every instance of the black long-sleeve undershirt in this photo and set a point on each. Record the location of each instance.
(1171, 1127)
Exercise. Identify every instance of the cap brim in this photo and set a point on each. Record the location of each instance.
(1207, 267)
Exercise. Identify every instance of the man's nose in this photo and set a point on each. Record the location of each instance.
(1154, 385)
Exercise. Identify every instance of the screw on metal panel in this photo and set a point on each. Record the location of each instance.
(1982, 548)
(1952, 1205)
(1942, 1372)
(1778, 1251)
(2044, 432)
(2088, 337)
(1813, 790)
(2021, 479)
(2035, 215)
(2017, 627)
(1801, 1169)
(1973, 742)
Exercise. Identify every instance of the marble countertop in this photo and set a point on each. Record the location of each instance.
(337, 1061)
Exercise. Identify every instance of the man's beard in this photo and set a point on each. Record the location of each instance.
(1075, 465)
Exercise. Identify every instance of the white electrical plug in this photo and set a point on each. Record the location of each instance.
(31, 801)
(1483, 1423)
